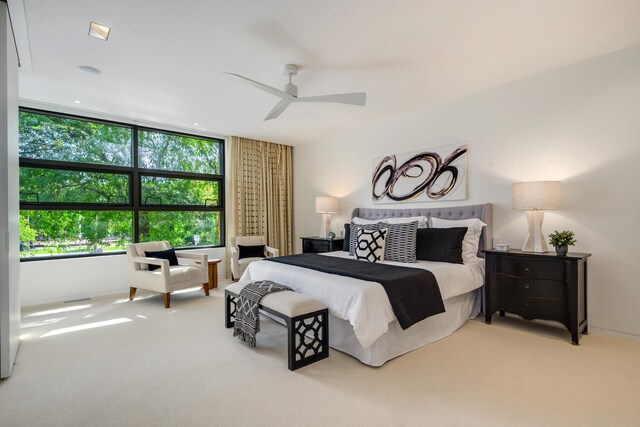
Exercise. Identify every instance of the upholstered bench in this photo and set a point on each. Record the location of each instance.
(307, 322)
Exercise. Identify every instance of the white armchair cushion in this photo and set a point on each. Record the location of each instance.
(246, 261)
(186, 273)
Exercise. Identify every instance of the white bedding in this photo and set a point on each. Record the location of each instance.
(364, 304)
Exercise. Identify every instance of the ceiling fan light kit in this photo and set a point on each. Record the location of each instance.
(290, 93)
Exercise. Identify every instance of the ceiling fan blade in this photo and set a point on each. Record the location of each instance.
(277, 110)
(271, 90)
(359, 98)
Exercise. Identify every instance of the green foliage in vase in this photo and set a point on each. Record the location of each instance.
(562, 238)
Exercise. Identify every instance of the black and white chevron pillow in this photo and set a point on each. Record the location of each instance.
(370, 245)
(400, 243)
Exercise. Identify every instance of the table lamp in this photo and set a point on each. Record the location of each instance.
(326, 206)
(535, 197)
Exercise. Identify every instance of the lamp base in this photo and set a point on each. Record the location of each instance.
(326, 226)
(535, 240)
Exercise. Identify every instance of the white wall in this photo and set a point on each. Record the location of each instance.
(579, 124)
(9, 199)
(48, 281)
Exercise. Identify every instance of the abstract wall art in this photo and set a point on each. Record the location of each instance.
(434, 174)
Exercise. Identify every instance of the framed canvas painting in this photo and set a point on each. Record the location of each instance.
(433, 174)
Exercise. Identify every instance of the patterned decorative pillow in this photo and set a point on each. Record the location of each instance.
(353, 234)
(400, 243)
(371, 245)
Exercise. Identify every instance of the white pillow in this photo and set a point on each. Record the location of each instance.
(422, 220)
(471, 238)
(362, 221)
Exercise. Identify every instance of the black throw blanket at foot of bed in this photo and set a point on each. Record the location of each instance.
(414, 293)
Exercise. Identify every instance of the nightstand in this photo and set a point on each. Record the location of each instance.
(320, 244)
(538, 286)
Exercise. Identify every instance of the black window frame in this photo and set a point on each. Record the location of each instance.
(135, 173)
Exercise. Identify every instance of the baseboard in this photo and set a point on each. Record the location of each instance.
(615, 334)
(87, 296)
(72, 298)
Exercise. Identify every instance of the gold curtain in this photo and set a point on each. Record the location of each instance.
(261, 192)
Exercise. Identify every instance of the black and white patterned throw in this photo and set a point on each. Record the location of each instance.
(247, 323)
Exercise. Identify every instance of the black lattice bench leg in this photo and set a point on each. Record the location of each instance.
(308, 338)
(229, 309)
(307, 333)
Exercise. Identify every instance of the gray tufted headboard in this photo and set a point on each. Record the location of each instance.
(483, 212)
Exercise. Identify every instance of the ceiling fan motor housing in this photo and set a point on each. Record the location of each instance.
(291, 89)
(290, 70)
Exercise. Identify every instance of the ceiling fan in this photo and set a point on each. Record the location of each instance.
(290, 93)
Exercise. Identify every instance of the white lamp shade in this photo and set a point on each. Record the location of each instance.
(326, 205)
(536, 195)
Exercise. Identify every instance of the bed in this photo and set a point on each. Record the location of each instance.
(362, 322)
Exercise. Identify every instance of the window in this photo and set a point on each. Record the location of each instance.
(89, 187)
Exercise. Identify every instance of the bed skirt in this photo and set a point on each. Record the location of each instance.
(397, 341)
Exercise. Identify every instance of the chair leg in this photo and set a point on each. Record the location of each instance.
(132, 292)
(167, 300)
(205, 286)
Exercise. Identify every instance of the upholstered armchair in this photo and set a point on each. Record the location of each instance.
(239, 265)
(167, 278)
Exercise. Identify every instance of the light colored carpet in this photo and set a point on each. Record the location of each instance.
(182, 367)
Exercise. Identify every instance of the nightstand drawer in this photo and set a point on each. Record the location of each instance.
(315, 246)
(532, 308)
(531, 287)
(529, 268)
(318, 244)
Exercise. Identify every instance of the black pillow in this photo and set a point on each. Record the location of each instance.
(347, 235)
(250, 251)
(168, 254)
(440, 244)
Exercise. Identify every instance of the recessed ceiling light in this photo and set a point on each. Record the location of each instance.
(89, 69)
(99, 31)
(195, 124)
(76, 101)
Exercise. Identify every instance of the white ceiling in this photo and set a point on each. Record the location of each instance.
(164, 59)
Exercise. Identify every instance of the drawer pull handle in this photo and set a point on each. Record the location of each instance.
(526, 270)
(526, 286)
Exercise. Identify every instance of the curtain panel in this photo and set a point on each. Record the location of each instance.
(261, 192)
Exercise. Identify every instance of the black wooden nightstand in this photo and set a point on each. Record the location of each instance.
(538, 286)
(320, 244)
